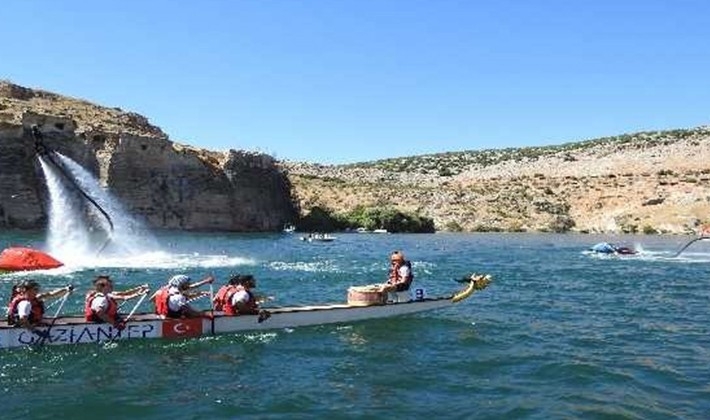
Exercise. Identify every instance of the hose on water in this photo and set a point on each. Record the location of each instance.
(42, 150)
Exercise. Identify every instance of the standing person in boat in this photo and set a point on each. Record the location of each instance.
(100, 304)
(400, 275)
(26, 309)
(172, 300)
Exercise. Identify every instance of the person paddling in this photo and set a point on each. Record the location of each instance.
(237, 298)
(100, 304)
(244, 301)
(171, 301)
(222, 301)
(26, 309)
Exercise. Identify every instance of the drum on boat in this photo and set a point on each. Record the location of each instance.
(366, 295)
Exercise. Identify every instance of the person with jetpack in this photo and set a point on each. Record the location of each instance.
(100, 304)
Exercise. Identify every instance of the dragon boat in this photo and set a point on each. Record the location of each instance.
(363, 304)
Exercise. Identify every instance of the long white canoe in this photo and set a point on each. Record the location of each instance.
(75, 330)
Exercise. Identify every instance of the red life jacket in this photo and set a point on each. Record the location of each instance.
(395, 277)
(36, 313)
(223, 299)
(161, 304)
(90, 315)
(161, 301)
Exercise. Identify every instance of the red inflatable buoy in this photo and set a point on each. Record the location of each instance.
(26, 259)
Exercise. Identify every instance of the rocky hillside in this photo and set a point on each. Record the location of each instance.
(649, 182)
(163, 183)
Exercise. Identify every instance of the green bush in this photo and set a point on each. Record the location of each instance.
(649, 230)
(324, 220)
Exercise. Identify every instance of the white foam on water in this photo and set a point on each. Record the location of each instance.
(77, 230)
(68, 231)
(310, 267)
(159, 260)
(649, 255)
(129, 236)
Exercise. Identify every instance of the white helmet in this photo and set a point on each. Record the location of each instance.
(178, 280)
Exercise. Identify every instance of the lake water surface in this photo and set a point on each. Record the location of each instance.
(558, 334)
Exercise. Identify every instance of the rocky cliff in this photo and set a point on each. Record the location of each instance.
(163, 183)
(650, 182)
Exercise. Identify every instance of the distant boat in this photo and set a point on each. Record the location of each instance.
(318, 237)
(607, 248)
(362, 230)
(289, 228)
(380, 231)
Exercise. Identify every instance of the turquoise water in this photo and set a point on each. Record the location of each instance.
(558, 334)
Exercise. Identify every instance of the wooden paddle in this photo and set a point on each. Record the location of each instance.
(211, 309)
(130, 314)
(45, 335)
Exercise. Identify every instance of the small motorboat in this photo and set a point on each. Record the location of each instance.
(318, 237)
(611, 249)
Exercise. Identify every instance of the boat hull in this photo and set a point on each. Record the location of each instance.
(74, 330)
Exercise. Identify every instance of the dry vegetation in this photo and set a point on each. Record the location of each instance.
(651, 182)
(643, 182)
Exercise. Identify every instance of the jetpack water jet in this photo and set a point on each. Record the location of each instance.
(49, 155)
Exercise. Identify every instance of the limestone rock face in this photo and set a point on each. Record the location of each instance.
(650, 182)
(162, 183)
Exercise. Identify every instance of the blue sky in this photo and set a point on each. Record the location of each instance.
(342, 81)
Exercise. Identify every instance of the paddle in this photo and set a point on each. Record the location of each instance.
(211, 309)
(45, 335)
(130, 314)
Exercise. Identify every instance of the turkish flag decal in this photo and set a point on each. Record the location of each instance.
(173, 328)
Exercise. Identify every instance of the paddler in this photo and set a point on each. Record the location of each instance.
(237, 298)
(26, 309)
(244, 301)
(172, 300)
(222, 301)
(100, 304)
